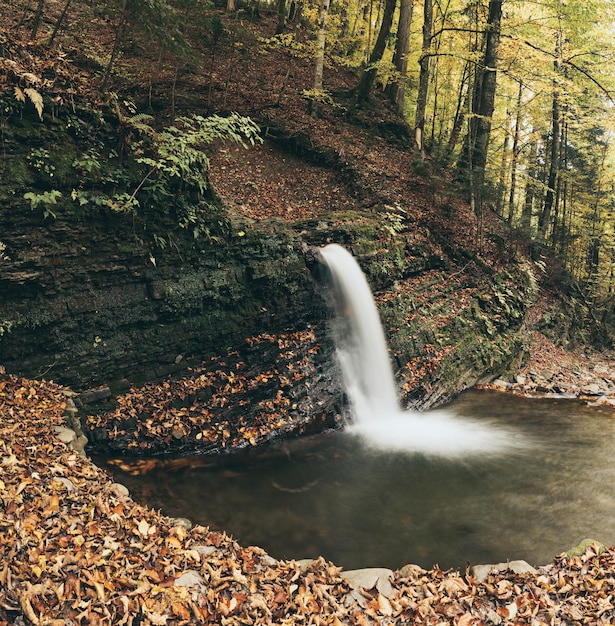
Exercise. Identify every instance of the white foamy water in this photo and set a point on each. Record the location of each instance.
(370, 384)
(437, 433)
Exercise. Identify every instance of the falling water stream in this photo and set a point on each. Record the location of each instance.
(490, 478)
(366, 368)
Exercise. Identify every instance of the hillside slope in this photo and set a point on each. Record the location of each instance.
(95, 296)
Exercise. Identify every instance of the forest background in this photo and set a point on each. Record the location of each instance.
(505, 105)
(515, 97)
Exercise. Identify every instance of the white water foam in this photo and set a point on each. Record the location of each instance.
(437, 433)
(379, 420)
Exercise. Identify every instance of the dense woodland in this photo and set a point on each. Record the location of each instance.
(515, 98)
(506, 105)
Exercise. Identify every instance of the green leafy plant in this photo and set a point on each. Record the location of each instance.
(179, 156)
(5, 327)
(88, 163)
(320, 96)
(44, 200)
(392, 220)
(42, 162)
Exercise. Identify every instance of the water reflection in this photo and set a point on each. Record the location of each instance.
(360, 507)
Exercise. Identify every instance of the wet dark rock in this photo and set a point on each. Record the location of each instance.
(95, 395)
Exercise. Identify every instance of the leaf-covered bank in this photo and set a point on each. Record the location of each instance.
(75, 547)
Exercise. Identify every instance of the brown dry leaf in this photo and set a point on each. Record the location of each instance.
(54, 504)
(467, 619)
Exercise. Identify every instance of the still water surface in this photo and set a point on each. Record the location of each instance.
(359, 507)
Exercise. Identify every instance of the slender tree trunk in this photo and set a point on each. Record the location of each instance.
(370, 29)
(345, 29)
(173, 88)
(22, 19)
(435, 73)
(462, 107)
(530, 190)
(561, 197)
(357, 18)
(559, 225)
(501, 191)
(421, 103)
(37, 19)
(515, 156)
(397, 88)
(593, 253)
(319, 61)
(281, 17)
(440, 112)
(59, 22)
(545, 218)
(320, 45)
(369, 73)
(119, 33)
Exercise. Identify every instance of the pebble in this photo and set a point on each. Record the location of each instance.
(184, 522)
(64, 434)
(120, 490)
(190, 578)
(204, 551)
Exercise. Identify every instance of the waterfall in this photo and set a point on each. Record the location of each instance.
(360, 341)
(362, 352)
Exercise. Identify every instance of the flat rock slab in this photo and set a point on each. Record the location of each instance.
(520, 567)
(368, 578)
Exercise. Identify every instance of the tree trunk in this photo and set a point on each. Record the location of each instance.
(320, 45)
(473, 159)
(369, 73)
(462, 107)
(319, 61)
(421, 103)
(22, 19)
(545, 218)
(530, 189)
(486, 100)
(501, 190)
(116, 46)
(37, 19)
(281, 17)
(515, 156)
(59, 22)
(561, 227)
(397, 88)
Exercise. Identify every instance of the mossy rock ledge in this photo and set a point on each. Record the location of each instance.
(85, 306)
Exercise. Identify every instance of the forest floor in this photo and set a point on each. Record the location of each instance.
(74, 546)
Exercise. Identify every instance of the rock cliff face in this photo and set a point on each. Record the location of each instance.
(86, 302)
(84, 305)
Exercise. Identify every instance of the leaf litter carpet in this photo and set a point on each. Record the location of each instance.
(75, 549)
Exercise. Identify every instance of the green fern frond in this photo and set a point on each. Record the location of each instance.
(139, 118)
